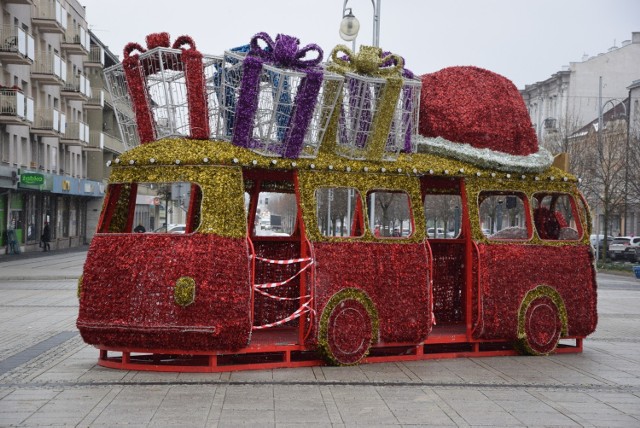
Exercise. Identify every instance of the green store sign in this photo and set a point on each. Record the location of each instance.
(32, 178)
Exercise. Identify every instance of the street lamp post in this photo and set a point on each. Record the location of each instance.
(614, 102)
(350, 25)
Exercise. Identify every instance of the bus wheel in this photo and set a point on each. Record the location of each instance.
(542, 320)
(348, 327)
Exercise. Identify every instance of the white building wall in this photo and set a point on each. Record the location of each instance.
(572, 95)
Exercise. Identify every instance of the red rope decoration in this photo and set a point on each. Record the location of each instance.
(196, 91)
(138, 93)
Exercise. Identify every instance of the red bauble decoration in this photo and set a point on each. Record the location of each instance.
(478, 107)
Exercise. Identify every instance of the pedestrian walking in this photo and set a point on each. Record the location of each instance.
(46, 237)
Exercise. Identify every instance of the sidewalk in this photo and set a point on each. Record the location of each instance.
(49, 376)
(40, 265)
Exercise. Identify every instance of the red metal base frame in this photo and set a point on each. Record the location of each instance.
(262, 354)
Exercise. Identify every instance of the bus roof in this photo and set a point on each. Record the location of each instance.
(182, 151)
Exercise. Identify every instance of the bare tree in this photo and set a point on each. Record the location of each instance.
(601, 160)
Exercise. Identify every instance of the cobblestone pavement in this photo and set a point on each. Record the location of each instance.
(49, 377)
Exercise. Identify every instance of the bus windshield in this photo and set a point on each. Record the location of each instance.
(161, 207)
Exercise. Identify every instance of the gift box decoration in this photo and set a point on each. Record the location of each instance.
(166, 86)
(275, 102)
(405, 123)
(379, 107)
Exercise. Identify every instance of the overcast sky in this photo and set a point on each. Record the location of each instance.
(524, 40)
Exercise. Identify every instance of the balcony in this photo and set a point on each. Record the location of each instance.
(77, 89)
(95, 57)
(49, 69)
(76, 42)
(16, 46)
(96, 100)
(113, 144)
(15, 107)
(49, 123)
(76, 134)
(96, 142)
(49, 17)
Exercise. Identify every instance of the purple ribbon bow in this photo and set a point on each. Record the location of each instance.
(282, 53)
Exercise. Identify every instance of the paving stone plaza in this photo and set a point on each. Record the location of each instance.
(49, 377)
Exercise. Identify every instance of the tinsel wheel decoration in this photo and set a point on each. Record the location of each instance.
(478, 116)
(348, 327)
(542, 320)
(160, 69)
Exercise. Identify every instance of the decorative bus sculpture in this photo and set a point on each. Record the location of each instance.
(398, 236)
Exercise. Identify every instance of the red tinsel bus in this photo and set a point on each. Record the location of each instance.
(325, 220)
(422, 257)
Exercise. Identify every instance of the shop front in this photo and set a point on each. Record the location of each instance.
(41, 198)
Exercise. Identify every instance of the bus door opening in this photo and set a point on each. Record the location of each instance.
(444, 209)
(281, 257)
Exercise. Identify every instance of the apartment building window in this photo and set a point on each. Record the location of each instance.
(34, 154)
(24, 146)
(14, 151)
(41, 155)
(73, 218)
(53, 157)
(4, 147)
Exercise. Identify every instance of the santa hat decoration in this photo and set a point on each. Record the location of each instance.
(477, 115)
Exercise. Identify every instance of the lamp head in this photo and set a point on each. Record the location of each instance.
(349, 27)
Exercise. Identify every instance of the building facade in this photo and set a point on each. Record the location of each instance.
(570, 98)
(565, 110)
(56, 126)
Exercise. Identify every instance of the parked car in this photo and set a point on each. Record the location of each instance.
(625, 247)
(599, 241)
(172, 228)
(435, 232)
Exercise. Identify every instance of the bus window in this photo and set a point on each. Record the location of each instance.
(444, 215)
(555, 217)
(390, 214)
(503, 215)
(275, 214)
(151, 208)
(339, 211)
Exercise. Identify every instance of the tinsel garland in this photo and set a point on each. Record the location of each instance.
(136, 86)
(336, 339)
(282, 53)
(161, 157)
(79, 287)
(551, 301)
(222, 206)
(485, 157)
(196, 91)
(475, 106)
